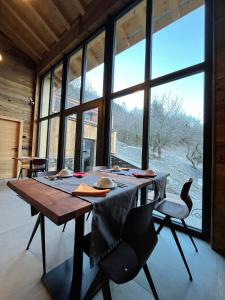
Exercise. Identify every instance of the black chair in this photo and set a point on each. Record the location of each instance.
(178, 208)
(37, 165)
(130, 256)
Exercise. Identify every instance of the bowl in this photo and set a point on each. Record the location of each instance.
(116, 168)
(105, 182)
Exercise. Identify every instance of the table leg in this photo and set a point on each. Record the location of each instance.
(76, 284)
(144, 196)
(42, 227)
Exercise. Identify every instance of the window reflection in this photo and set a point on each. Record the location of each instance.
(129, 62)
(178, 35)
(89, 140)
(74, 80)
(57, 89)
(95, 68)
(45, 95)
(126, 135)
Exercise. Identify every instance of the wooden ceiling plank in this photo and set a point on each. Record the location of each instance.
(20, 44)
(44, 23)
(24, 24)
(80, 7)
(60, 15)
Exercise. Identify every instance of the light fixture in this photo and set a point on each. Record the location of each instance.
(1, 58)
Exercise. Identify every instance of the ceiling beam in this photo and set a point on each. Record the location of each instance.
(20, 43)
(24, 24)
(60, 15)
(79, 6)
(44, 23)
(80, 30)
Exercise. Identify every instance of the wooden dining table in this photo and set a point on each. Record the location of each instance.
(71, 279)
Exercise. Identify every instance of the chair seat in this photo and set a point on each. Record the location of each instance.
(175, 209)
(121, 265)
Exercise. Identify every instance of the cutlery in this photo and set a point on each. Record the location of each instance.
(120, 184)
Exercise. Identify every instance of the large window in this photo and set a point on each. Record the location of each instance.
(94, 68)
(129, 62)
(141, 105)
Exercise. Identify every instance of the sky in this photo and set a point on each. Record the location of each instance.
(177, 46)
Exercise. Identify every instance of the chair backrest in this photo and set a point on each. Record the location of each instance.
(184, 195)
(38, 163)
(139, 231)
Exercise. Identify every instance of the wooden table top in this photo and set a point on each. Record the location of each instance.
(57, 205)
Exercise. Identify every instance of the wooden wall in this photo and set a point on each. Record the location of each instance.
(218, 205)
(17, 80)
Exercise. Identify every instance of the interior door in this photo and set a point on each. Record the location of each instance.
(10, 132)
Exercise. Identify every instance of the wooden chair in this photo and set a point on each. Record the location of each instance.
(25, 165)
(121, 265)
(178, 208)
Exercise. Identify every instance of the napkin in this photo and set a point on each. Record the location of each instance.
(86, 190)
(143, 175)
(79, 174)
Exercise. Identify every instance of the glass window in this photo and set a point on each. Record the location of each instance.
(74, 80)
(71, 122)
(129, 61)
(43, 138)
(126, 134)
(57, 89)
(176, 137)
(53, 143)
(178, 35)
(94, 68)
(89, 141)
(45, 95)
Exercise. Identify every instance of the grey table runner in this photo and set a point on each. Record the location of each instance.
(109, 213)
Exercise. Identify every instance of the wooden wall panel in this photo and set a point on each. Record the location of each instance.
(17, 78)
(218, 205)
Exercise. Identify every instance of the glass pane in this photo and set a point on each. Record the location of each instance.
(45, 95)
(74, 80)
(89, 141)
(71, 122)
(95, 68)
(176, 137)
(53, 144)
(43, 138)
(178, 35)
(126, 135)
(57, 88)
(129, 61)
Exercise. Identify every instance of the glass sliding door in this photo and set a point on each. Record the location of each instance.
(126, 130)
(177, 106)
(89, 139)
(70, 143)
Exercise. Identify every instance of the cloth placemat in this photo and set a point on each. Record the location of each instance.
(109, 212)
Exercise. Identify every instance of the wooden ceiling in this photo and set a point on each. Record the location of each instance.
(45, 29)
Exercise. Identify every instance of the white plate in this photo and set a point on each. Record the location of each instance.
(104, 187)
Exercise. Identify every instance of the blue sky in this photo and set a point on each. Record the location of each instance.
(177, 46)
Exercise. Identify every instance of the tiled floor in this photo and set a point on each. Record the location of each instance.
(20, 270)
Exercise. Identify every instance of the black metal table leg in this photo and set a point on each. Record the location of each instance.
(76, 284)
(42, 226)
(34, 231)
